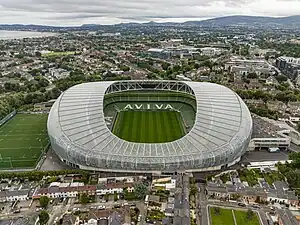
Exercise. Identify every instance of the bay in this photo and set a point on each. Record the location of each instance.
(7, 34)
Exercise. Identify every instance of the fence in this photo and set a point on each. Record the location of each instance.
(8, 117)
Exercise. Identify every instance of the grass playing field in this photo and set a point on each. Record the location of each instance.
(241, 218)
(22, 140)
(225, 217)
(149, 126)
(57, 54)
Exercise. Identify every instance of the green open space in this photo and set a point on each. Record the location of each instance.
(251, 176)
(222, 217)
(49, 54)
(22, 140)
(149, 126)
(242, 218)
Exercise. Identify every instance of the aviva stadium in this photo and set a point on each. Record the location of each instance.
(149, 126)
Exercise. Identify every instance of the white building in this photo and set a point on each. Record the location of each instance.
(64, 190)
(209, 51)
(114, 188)
(244, 66)
(269, 142)
(266, 164)
(168, 183)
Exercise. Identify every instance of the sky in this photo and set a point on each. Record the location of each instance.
(77, 12)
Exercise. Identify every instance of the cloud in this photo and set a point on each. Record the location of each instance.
(76, 12)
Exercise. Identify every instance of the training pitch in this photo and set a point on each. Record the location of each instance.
(22, 141)
(149, 126)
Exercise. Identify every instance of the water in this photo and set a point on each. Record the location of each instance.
(6, 35)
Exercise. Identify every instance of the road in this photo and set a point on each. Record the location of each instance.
(143, 212)
(201, 208)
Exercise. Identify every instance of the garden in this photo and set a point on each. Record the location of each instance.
(252, 176)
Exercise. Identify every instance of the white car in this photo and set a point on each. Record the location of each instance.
(139, 218)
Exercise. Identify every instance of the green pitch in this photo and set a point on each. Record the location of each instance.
(149, 126)
(22, 140)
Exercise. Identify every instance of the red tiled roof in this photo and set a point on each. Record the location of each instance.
(42, 191)
(118, 185)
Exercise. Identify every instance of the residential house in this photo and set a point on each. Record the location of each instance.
(91, 222)
(44, 106)
(277, 106)
(14, 195)
(254, 102)
(64, 190)
(17, 195)
(111, 188)
(289, 66)
(294, 107)
(2, 196)
(278, 192)
(181, 201)
(218, 191)
(169, 210)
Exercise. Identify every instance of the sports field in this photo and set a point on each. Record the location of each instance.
(49, 54)
(149, 126)
(22, 140)
(222, 217)
(226, 217)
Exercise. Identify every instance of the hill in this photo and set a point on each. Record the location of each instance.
(249, 21)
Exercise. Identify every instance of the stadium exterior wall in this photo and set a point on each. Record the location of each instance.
(80, 137)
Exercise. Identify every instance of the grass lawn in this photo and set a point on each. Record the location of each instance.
(58, 54)
(149, 126)
(224, 218)
(22, 140)
(250, 176)
(273, 176)
(241, 218)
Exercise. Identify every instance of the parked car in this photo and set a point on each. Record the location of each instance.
(241, 204)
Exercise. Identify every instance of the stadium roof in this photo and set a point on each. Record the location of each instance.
(79, 133)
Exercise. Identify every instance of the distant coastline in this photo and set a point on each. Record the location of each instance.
(7, 34)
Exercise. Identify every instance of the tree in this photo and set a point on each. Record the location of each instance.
(252, 76)
(43, 217)
(250, 214)
(124, 68)
(115, 196)
(38, 54)
(44, 201)
(217, 211)
(106, 197)
(84, 199)
(281, 78)
(165, 65)
(235, 197)
(193, 190)
(140, 190)
(298, 126)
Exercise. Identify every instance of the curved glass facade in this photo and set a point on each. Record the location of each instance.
(80, 137)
